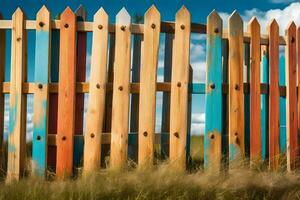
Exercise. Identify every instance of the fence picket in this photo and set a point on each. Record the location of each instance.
(179, 90)
(97, 91)
(80, 77)
(255, 115)
(147, 104)
(264, 102)
(236, 96)
(17, 101)
(291, 97)
(120, 107)
(213, 96)
(274, 110)
(41, 96)
(66, 94)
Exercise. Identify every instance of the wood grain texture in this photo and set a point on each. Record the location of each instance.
(213, 96)
(147, 104)
(120, 107)
(255, 101)
(17, 100)
(66, 95)
(236, 96)
(165, 121)
(2, 76)
(41, 96)
(80, 77)
(96, 105)
(274, 111)
(291, 97)
(179, 90)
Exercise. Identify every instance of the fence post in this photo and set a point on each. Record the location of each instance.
(274, 95)
(213, 95)
(291, 97)
(17, 101)
(97, 91)
(236, 93)
(80, 77)
(179, 90)
(255, 115)
(41, 96)
(66, 94)
(121, 91)
(147, 104)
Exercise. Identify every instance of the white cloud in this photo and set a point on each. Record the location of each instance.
(282, 1)
(283, 17)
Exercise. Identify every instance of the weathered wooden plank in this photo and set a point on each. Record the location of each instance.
(2, 76)
(80, 77)
(96, 105)
(274, 110)
(213, 96)
(264, 102)
(255, 115)
(179, 90)
(41, 96)
(291, 97)
(17, 100)
(66, 94)
(236, 96)
(165, 121)
(282, 104)
(120, 107)
(147, 103)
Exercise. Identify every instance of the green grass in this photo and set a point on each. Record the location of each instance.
(161, 183)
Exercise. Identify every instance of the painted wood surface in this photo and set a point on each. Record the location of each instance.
(236, 96)
(2, 77)
(96, 104)
(17, 100)
(165, 124)
(274, 122)
(120, 107)
(282, 105)
(147, 104)
(291, 97)
(213, 96)
(179, 90)
(255, 115)
(41, 96)
(264, 102)
(66, 94)
(80, 77)
(247, 100)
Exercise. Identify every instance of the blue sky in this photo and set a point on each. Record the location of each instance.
(265, 10)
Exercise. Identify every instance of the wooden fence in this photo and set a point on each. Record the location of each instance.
(244, 118)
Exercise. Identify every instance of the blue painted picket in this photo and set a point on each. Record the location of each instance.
(41, 98)
(264, 105)
(213, 96)
(282, 143)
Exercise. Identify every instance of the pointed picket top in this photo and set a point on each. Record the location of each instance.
(123, 17)
(183, 13)
(235, 23)
(235, 18)
(254, 23)
(81, 13)
(101, 15)
(214, 23)
(152, 11)
(18, 12)
(43, 19)
(291, 27)
(67, 13)
(273, 24)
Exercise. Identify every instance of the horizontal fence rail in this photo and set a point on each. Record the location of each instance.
(251, 97)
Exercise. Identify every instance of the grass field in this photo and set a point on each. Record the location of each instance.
(161, 183)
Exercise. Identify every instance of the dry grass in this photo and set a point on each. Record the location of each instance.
(162, 183)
